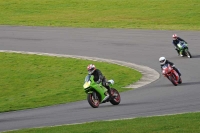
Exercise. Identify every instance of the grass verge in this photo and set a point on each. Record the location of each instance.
(19, 82)
(137, 14)
(29, 81)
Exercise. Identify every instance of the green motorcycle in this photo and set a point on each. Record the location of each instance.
(183, 47)
(96, 92)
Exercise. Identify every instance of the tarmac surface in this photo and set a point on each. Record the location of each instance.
(136, 47)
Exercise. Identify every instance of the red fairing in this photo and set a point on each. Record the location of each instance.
(171, 74)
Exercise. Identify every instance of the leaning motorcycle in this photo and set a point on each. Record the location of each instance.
(96, 92)
(171, 74)
(184, 47)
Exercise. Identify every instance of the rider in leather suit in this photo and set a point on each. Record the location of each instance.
(163, 62)
(99, 78)
(175, 41)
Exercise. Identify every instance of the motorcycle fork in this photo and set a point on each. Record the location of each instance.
(94, 95)
(176, 75)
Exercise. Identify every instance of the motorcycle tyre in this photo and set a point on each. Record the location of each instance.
(180, 80)
(90, 99)
(188, 53)
(113, 101)
(172, 80)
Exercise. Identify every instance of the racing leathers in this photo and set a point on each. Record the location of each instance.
(175, 42)
(99, 78)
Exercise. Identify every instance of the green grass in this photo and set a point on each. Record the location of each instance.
(29, 81)
(137, 14)
(182, 123)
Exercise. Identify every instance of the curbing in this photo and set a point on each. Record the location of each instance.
(149, 74)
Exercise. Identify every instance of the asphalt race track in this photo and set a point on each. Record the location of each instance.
(142, 47)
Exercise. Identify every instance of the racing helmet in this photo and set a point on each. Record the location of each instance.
(91, 68)
(162, 60)
(174, 36)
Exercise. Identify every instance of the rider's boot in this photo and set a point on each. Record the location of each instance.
(178, 52)
(181, 53)
(109, 92)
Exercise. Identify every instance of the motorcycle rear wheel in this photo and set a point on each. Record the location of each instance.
(116, 99)
(92, 101)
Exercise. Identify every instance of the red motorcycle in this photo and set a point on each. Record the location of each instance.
(171, 74)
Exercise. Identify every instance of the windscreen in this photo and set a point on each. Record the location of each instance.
(87, 78)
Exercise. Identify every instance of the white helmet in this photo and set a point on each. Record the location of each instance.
(162, 60)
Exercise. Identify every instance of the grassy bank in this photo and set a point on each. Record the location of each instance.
(29, 81)
(182, 123)
(139, 14)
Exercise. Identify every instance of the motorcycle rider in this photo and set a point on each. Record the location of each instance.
(99, 78)
(163, 61)
(175, 41)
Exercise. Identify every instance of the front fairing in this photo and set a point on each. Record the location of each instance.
(87, 83)
(166, 69)
(182, 45)
(90, 85)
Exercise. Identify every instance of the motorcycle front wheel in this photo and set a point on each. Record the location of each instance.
(180, 80)
(188, 53)
(172, 79)
(92, 101)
